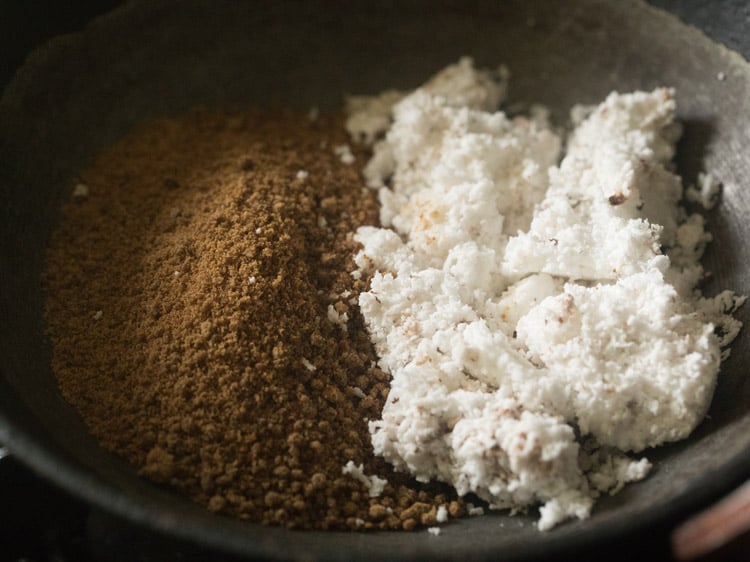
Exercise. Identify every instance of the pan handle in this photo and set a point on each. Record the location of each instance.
(723, 527)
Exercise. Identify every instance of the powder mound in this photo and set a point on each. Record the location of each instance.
(206, 327)
(535, 329)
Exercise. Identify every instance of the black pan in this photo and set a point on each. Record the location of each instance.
(81, 92)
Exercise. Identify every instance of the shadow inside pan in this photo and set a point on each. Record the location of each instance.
(80, 93)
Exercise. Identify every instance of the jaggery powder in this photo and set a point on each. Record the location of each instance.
(204, 321)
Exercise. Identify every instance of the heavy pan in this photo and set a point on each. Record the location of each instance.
(81, 92)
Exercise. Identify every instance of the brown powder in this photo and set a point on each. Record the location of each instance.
(204, 320)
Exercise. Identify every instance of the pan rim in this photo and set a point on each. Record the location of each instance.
(52, 464)
(49, 460)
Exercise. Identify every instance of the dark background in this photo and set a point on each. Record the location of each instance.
(40, 523)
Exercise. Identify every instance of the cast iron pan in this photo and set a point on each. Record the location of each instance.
(81, 92)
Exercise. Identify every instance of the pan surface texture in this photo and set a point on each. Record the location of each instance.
(81, 92)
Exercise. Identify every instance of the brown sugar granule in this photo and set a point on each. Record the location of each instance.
(204, 319)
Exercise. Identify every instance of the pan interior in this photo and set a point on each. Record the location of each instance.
(146, 59)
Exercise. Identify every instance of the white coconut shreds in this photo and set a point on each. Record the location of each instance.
(374, 484)
(533, 325)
